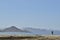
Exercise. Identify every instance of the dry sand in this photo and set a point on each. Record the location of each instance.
(50, 37)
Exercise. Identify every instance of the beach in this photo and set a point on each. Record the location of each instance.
(50, 37)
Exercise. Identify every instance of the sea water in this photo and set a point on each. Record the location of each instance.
(15, 33)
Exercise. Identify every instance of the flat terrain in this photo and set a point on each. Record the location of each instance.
(31, 38)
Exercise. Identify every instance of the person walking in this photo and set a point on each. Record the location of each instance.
(52, 32)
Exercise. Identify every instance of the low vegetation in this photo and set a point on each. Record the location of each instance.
(31, 38)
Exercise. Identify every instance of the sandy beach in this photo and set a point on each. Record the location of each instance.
(50, 37)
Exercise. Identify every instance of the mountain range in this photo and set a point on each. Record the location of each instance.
(13, 29)
(30, 30)
(43, 31)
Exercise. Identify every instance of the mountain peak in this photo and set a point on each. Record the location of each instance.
(13, 27)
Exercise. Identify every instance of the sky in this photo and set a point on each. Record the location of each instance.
(30, 13)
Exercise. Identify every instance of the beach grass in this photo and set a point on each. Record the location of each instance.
(31, 38)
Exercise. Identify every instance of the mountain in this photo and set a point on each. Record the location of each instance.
(42, 31)
(0, 30)
(30, 31)
(14, 29)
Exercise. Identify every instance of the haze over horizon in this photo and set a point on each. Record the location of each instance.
(30, 13)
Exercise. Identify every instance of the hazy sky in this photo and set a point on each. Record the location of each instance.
(30, 13)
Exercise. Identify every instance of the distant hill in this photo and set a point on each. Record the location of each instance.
(42, 31)
(30, 30)
(13, 29)
(0, 30)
